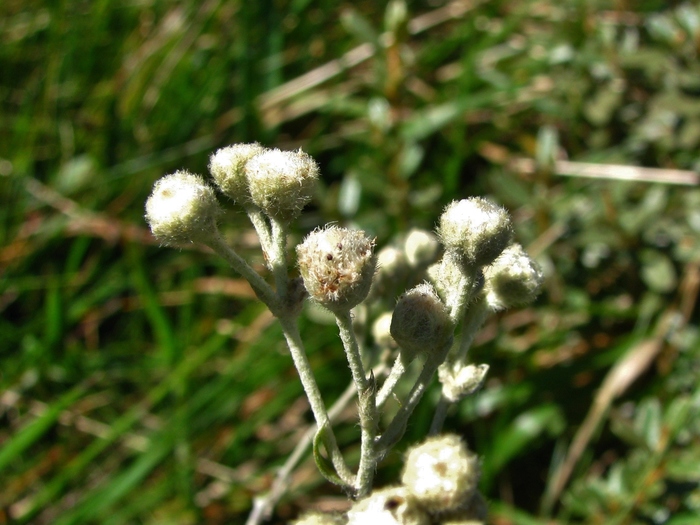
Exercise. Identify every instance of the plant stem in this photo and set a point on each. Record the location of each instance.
(367, 408)
(260, 287)
(473, 320)
(398, 425)
(308, 381)
(262, 506)
(278, 257)
(257, 218)
(397, 371)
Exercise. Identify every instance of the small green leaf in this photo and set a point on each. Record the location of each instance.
(322, 462)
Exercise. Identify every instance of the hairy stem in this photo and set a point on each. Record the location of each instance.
(398, 425)
(397, 371)
(257, 218)
(367, 408)
(262, 506)
(308, 381)
(278, 257)
(260, 287)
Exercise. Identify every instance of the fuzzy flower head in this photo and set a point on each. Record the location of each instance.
(280, 182)
(475, 228)
(514, 279)
(337, 266)
(421, 322)
(227, 167)
(182, 208)
(441, 473)
(390, 506)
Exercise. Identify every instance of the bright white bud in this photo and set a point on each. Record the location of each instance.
(477, 229)
(421, 322)
(422, 248)
(227, 167)
(390, 261)
(514, 279)
(281, 183)
(441, 473)
(381, 331)
(337, 266)
(182, 208)
(390, 506)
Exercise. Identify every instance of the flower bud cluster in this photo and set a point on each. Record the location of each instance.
(183, 208)
(279, 182)
(337, 265)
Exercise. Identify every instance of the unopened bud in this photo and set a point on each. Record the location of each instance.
(337, 266)
(391, 261)
(381, 331)
(477, 229)
(182, 208)
(514, 279)
(390, 506)
(422, 248)
(421, 322)
(227, 167)
(281, 183)
(441, 473)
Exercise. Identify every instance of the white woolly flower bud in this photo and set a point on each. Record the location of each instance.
(421, 322)
(381, 331)
(421, 248)
(514, 279)
(227, 167)
(441, 473)
(389, 506)
(477, 229)
(337, 266)
(181, 208)
(281, 182)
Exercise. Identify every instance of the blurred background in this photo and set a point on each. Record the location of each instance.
(146, 385)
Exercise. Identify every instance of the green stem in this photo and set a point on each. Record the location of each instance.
(366, 392)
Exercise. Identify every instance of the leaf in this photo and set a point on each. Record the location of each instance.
(322, 462)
